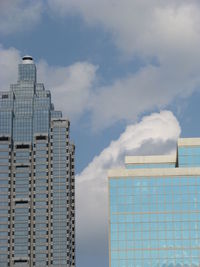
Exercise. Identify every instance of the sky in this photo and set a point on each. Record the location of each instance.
(126, 74)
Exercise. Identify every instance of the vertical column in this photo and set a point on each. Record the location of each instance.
(60, 146)
(5, 220)
(71, 192)
(50, 208)
(41, 201)
(22, 170)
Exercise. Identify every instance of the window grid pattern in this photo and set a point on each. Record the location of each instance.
(59, 190)
(189, 156)
(27, 72)
(21, 231)
(4, 202)
(21, 203)
(41, 203)
(155, 221)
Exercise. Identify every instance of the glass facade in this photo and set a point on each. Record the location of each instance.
(37, 209)
(155, 212)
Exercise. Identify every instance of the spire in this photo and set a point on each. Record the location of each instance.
(27, 60)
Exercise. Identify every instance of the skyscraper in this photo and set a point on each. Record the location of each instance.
(155, 209)
(37, 209)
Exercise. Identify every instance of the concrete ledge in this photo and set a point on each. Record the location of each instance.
(120, 173)
(189, 141)
(150, 159)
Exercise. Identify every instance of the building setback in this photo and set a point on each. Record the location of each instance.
(154, 209)
(37, 208)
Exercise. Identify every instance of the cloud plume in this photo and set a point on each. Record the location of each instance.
(158, 133)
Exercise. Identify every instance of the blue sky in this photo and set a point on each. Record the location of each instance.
(108, 64)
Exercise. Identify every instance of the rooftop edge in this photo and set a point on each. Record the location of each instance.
(189, 141)
(150, 159)
(120, 173)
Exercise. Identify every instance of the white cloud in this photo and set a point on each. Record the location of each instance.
(19, 15)
(9, 58)
(157, 130)
(71, 86)
(151, 87)
(164, 34)
(139, 26)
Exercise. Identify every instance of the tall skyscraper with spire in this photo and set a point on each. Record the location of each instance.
(37, 194)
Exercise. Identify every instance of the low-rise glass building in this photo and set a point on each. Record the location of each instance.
(154, 209)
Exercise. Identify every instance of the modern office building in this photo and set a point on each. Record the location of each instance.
(37, 212)
(154, 208)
